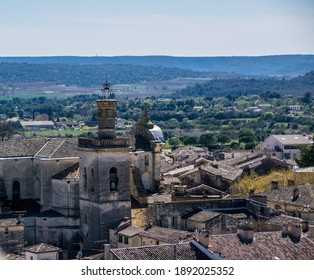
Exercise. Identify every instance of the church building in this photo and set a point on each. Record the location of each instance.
(72, 193)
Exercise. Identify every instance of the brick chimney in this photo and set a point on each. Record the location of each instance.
(293, 231)
(245, 233)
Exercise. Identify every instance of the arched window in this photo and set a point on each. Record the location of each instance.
(85, 180)
(16, 190)
(113, 179)
(92, 181)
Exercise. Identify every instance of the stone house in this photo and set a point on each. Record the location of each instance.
(213, 222)
(296, 200)
(151, 235)
(42, 252)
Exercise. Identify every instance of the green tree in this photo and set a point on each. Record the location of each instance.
(307, 98)
(174, 141)
(306, 155)
(207, 139)
(223, 138)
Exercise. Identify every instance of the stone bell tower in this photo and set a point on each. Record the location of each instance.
(104, 177)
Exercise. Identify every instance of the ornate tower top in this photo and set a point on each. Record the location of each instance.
(106, 113)
(106, 90)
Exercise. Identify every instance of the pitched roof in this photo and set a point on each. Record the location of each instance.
(131, 231)
(168, 235)
(71, 173)
(12, 257)
(285, 195)
(283, 219)
(10, 223)
(58, 148)
(39, 147)
(42, 248)
(228, 172)
(185, 251)
(206, 188)
(265, 246)
(203, 216)
(21, 148)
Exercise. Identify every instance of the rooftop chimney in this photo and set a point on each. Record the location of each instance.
(245, 233)
(295, 194)
(293, 231)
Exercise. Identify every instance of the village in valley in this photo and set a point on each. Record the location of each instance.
(241, 189)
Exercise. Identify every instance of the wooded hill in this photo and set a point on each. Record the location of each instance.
(237, 87)
(276, 65)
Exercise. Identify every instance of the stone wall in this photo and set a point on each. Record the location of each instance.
(65, 197)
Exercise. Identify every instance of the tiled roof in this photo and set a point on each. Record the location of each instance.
(180, 170)
(42, 248)
(58, 148)
(131, 231)
(41, 147)
(206, 188)
(168, 235)
(284, 195)
(265, 246)
(227, 172)
(168, 180)
(37, 123)
(21, 148)
(10, 223)
(159, 252)
(71, 173)
(12, 257)
(203, 216)
(242, 158)
(310, 233)
(283, 219)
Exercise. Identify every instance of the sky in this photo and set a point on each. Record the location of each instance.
(156, 27)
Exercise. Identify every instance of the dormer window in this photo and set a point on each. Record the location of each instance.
(113, 179)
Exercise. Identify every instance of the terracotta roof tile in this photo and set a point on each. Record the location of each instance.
(203, 216)
(71, 173)
(131, 231)
(159, 252)
(168, 235)
(21, 148)
(42, 248)
(265, 246)
(285, 194)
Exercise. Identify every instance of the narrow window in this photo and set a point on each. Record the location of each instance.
(85, 218)
(16, 190)
(92, 181)
(85, 180)
(126, 240)
(120, 238)
(146, 160)
(113, 179)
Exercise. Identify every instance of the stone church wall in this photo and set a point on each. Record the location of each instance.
(65, 197)
(45, 169)
(21, 170)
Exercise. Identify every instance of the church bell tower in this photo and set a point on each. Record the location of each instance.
(104, 176)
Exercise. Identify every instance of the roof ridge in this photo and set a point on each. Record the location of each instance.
(56, 149)
(48, 140)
